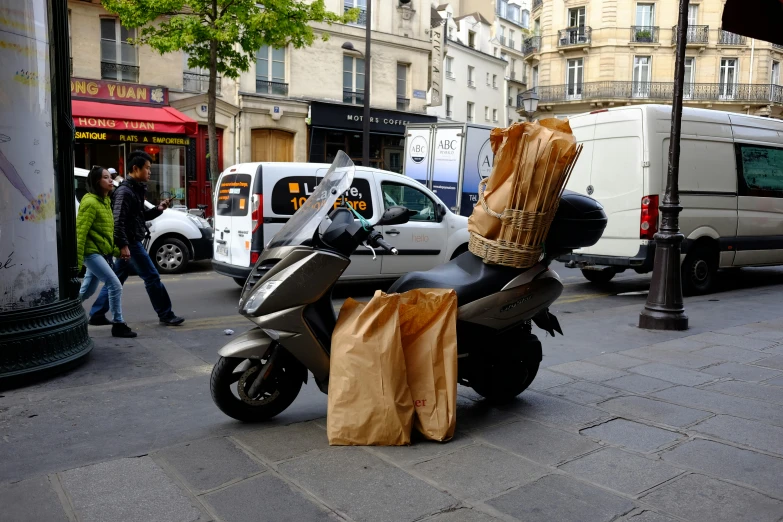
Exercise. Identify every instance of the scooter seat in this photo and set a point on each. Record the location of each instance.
(467, 274)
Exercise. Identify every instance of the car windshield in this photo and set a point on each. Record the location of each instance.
(306, 220)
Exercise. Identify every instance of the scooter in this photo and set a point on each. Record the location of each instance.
(288, 296)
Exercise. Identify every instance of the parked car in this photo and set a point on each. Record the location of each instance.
(730, 182)
(177, 238)
(254, 200)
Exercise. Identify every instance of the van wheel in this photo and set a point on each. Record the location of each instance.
(171, 256)
(240, 281)
(699, 271)
(599, 276)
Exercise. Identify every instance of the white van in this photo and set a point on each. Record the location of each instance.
(254, 200)
(730, 182)
(176, 238)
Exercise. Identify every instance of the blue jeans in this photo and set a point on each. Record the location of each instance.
(99, 269)
(140, 259)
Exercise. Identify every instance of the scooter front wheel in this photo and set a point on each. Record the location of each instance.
(232, 382)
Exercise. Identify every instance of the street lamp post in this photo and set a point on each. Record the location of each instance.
(529, 103)
(366, 115)
(665, 309)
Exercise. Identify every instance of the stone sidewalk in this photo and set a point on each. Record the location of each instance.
(689, 429)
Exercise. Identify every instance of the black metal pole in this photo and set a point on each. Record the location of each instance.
(665, 309)
(366, 116)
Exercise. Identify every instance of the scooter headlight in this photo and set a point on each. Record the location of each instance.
(259, 294)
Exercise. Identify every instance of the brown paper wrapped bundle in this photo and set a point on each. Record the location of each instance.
(532, 164)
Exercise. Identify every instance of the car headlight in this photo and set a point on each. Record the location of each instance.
(199, 222)
(257, 297)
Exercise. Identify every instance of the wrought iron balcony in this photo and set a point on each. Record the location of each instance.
(697, 34)
(471, 83)
(196, 82)
(531, 45)
(512, 44)
(502, 40)
(658, 91)
(644, 34)
(119, 71)
(537, 4)
(574, 36)
(403, 104)
(361, 20)
(267, 87)
(353, 97)
(449, 75)
(729, 38)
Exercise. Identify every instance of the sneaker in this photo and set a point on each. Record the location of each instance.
(99, 320)
(172, 320)
(122, 330)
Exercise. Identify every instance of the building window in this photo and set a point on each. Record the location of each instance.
(534, 83)
(449, 100)
(270, 71)
(119, 60)
(690, 75)
(693, 15)
(537, 27)
(504, 57)
(641, 76)
(488, 84)
(576, 17)
(524, 18)
(362, 5)
(729, 70)
(196, 79)
(511, 42)
(472, 39)
(645, 15)
(353, 80)
(471, 111)
(471, 79)
(503, 8)
(494, 115)
(495, 81)
(511, 97)
(403, 102)
(486, 113)
(574, 78)
(449, 67)
(774, 77)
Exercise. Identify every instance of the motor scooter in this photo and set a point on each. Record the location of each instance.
(288, 296)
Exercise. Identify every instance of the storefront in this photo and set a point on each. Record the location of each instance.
(335, 127)
(113, 119)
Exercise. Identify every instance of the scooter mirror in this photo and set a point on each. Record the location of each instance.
(396, 216)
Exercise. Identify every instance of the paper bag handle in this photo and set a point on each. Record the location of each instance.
(482, 185)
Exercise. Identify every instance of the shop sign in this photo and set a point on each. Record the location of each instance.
(351, 117)
(130, 138)
(436, 72)
(86, 89)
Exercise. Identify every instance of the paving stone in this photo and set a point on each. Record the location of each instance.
(691, 360)
(656, 411)
(265, 498)
(32, 499)
(478, 415)
(208, 463)
(546, 379)
(727, 462)
(537, 442)
(777, 381)
(721, 403)
(479, 472)
(772, 362)
(698, 498)
(767, 335)
(647, 516)
(551, 410)
(616, 360)
(685, 344)
(285, 442)
(732, 353)
(749, 433)
(673, 374)
(762, 392)
(365, 487)
(737, 331)
(622, 471)
(564, 499)
(748, 343)
(743, 372)
(423, 449)
(130, 490)
(462, 515)
(583, 392)
(640, 384)
(632, 435)
(771, 325)
(588, 371)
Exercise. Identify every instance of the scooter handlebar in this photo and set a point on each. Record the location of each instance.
(378, 240)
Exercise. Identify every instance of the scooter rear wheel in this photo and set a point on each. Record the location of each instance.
(501, 379)
(232, 378)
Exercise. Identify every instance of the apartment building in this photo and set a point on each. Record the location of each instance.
(474, 79)
(588, 54)
(292, 105)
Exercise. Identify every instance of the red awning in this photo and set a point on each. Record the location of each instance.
(131, 118)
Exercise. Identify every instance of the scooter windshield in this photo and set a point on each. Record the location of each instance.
(305, 221)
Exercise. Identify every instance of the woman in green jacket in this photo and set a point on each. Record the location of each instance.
(95, 246)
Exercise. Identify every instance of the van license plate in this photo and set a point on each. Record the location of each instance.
(223, 251)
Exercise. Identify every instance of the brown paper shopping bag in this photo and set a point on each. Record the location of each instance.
(428, 326)
(369, 400)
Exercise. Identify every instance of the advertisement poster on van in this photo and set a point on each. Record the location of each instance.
(417, 159)
(479, 160)
(446, 163)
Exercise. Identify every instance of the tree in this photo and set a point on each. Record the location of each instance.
(223, 35)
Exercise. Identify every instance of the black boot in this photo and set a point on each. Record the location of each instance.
(122, 330)
(99, 320)
(172, 320)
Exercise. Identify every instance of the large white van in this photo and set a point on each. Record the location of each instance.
(731, 190)
(254, 200)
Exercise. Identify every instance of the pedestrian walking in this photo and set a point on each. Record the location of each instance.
(116, 178)
(130, 229)
(95, 247)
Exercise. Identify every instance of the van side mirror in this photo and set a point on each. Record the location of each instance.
(396, 216)
(441, 212)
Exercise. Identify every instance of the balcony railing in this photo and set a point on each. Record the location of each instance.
(361, 20)
(537, 4)
(512, 44)
(267, 87)
(471, 83)
(196, 82)
(644, 34)
(777, 46)
(659, 91)
(448, 114)
(354, 97)
(531, 45)
(403, 104)
(697, 34)
(574, 36)
(119, 71)
(470, 118)
(729, 38)
(502, 40)
(449, 75)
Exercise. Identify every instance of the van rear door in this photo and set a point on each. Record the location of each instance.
(232, 219)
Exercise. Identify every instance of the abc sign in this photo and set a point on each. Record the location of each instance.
(418, 149)
(447, 145)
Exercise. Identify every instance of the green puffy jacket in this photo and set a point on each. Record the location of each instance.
(94, 227)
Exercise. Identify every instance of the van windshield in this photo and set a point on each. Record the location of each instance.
(308, 217)
(233, 197)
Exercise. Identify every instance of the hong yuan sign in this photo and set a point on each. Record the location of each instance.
(84, 89)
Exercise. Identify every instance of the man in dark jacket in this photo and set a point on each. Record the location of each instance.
(130, 229)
